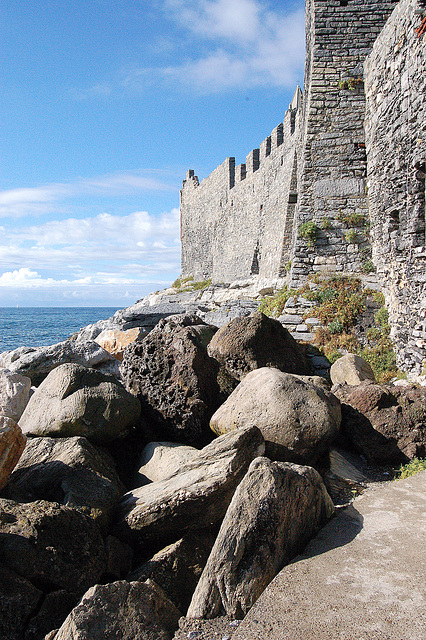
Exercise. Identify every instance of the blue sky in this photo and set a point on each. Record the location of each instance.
(104, 105)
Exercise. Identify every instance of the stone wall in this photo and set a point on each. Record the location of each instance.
(238, 221)
(395, 82)
(332, 162)
(244, 220)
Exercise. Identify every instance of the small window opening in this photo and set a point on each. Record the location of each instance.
(254, 271)
(394, 220)
(292, 198)
(344, 3)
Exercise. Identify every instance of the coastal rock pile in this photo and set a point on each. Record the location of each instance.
(177, 486)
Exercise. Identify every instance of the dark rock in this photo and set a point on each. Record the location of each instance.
(76, 401)
(276, 509)
(178, 567)
(195, 497)
(70, 471)
(298, 419)
(257, 341)
(52, 546)
(53, 611)
(385, 423)
(174, 379)
(125, 610)
(19, 600)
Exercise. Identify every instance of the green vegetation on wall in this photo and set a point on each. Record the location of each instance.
(339, 303)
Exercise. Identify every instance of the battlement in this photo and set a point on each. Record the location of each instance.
(313, 167)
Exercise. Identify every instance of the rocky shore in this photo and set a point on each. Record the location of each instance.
(169, 461)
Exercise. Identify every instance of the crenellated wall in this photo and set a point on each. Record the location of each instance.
(238, 221)
(395, 125)
(350, 157)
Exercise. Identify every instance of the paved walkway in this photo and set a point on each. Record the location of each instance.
(362, 578)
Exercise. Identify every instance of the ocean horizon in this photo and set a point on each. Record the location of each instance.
(42, 326)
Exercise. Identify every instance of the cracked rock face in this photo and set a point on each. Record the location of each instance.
(195, 497)
(277, 508)
(76, 401)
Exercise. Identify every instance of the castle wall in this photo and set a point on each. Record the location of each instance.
(332, 162)
(395, 84)
(238, 221)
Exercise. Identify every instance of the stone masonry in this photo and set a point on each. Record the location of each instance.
(361, 187)
(395, 125)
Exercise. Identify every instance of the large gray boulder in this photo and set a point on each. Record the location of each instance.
(70, 471)
(298, 419)
(36, 363)
(14, 394)
(351, 369)
(160, 460)
(12, 444)
(124, 610)
(76, 401)
(195, 497)
(52, 546)
(175, 379)
(245, 344)
(178, 567)
(277, 508)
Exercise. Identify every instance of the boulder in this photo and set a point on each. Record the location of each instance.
(125, 610)
(12, 444)
(160, 460)
(19, 600)
(195, 497)
(245, 344)
(298, 419)
(70, 471)
(351, 369)
(52, 546)
(76, 401)
(174, 378)
(277, 508)
(54, 608)
(178, 567)
(385, 423)
(115, 341)
(14, 394)
(36, 363)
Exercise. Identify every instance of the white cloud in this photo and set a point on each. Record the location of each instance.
(252, 45)
(126, 243)
(45, 199)
(104, 260)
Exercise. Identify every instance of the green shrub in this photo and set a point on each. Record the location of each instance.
(353, 219)
(336, 326)
(309, 232)
(325, 224)
(410, 469)
(188, 284)
(368, 267)
(350, 236)
(274, 305)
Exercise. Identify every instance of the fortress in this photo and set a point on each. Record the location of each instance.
(339, 185)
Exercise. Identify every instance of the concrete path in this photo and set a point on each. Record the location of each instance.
(362, 578)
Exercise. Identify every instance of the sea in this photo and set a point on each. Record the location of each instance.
(41, 326)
